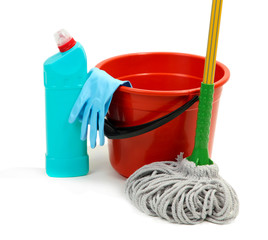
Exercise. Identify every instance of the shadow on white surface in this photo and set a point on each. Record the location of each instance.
(31, 200)
(23, 173)
(101, 177)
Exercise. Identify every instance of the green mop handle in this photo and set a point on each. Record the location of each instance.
(200, 155)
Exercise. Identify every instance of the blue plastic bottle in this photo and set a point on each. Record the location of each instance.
(64, 76)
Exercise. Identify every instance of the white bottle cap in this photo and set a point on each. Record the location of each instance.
(62, 37)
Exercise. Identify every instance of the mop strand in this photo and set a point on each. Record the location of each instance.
(182, 192)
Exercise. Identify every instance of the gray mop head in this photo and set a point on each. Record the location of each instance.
(182, 192)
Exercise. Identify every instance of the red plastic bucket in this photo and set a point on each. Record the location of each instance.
(161, 82)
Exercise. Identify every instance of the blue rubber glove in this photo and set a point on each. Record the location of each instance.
(93, 103)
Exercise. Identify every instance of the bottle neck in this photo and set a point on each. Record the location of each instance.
(67, 46)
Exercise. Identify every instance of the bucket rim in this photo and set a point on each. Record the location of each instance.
(186, 92)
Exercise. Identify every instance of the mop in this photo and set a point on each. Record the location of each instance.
(190, 190)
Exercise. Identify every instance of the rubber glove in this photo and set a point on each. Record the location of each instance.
(93, 103)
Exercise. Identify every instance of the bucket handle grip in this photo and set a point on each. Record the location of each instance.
(113, 132)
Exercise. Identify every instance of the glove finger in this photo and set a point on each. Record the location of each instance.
(101, 126)
(107, 105)
(77, 108)
(93, 127)
(81, 113)
(85, 120)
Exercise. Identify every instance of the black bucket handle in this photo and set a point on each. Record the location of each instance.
(113, 132)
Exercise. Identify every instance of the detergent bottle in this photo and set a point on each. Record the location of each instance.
(64, 76)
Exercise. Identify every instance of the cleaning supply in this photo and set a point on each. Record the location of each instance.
(181, 192)
(64, 76)
(93, 103)
(163, 83)
(190, 190)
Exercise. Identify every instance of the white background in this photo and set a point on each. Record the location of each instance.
(34, 206)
